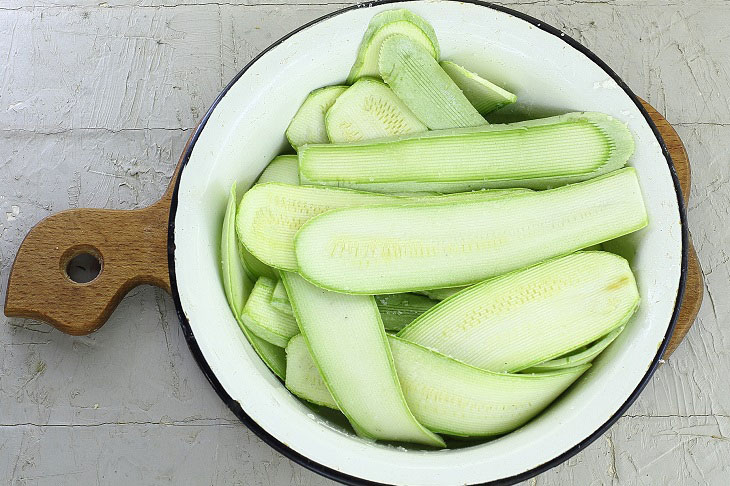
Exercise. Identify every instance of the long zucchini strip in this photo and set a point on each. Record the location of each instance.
(445, 395)
(385, 249)
(341, 329)
(265, 320)
(577, 358)
(284, 169)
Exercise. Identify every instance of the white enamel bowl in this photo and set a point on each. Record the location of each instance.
(245, 129)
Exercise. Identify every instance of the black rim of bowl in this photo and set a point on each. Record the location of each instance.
(346, 478)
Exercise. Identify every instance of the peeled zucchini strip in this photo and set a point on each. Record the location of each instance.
(482, 94)
(369, 109)
(446, 396)
(577, 358)
(341, 329)
(383, 25)
(237, 287)
(539, 154)
(263, 319)
(307, 126)
(514, 321)
(417, 79)
(270, 214)
(385, 249)
(284, 169)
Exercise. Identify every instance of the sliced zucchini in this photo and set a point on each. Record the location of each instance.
(284, 169)
(445, 395)
(514, 321)
(440, 294)
(279, 299)
(399, 310)
(577, 358)
(270, 214)
(237, 287)
(263, 319)
(482, 94)
(342, 329)
(383, 25)
(385, 249)
(254, 267)
(367, 110)
(539, 154)
(307, 126)
(416, 77)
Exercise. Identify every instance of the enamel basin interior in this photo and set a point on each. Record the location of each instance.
(246, 129)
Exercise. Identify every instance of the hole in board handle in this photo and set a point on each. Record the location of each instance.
(82, 264)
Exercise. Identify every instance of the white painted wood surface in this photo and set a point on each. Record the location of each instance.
(96, 102)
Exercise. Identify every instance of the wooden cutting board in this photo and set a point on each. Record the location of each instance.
(132, 249)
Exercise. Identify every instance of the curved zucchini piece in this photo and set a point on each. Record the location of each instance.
(445, 395)
(237, 287)
(517, 320)
(538, 154)
(307, 126)
(270, 214)
(367, 110)
(279, 299)
(577, 358)
(417, 79)
(482, 94)
(399, 310)
(385, 249)
(284, 169)
(341, 329)
(383, 25)
(263, 319)
(254, 267)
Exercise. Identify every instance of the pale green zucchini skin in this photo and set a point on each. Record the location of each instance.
(417, 79)
(385, 249)
(383, 25)
(308, 126)
(369, 109)
(270, 214)
(445, 395)
(484, 95)
(237, 287)
(284, 169)
(514, 321)
(538, 154)
(264, 320)
(341, 329)
(577, 358)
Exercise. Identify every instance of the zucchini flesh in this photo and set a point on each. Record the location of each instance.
(367, 110)
(514, 321)
(263, 319)
(284, 169)
(307, 126)
(384, 249)
(383, 25)
(399, 310)
(237, 287)
(577, 358)
(445, 395)
(279, 299)
(482, 94)
(343, 329)
(416, 77)
(270, 214)
(538, 153)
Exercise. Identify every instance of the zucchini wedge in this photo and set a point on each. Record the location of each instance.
(383, 25)
(264, 320)
(416, 77)
(284, 169)
(237, 287)
(514, 321)
(270, 214)
(445, 395)
(307, 126)
(577, 358)
(385, 249)
(341, 329)
(482, 94)
(538, 154)
(369, 109)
